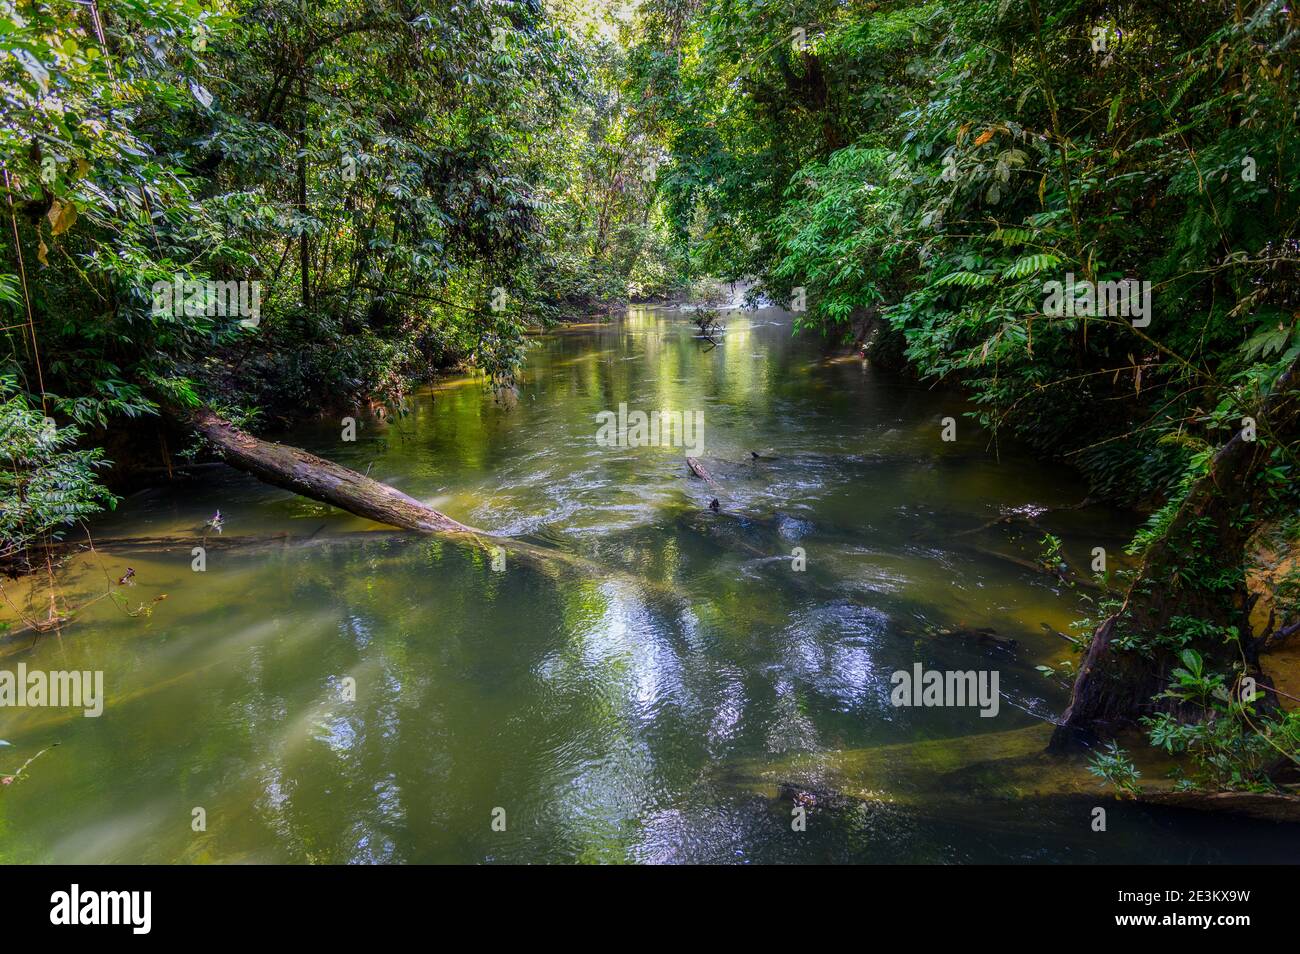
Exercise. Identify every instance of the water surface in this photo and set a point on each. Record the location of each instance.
(676, 705)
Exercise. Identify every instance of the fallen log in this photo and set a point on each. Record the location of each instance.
(1063, 573)
(304, 473)
(172, 542)
(698, 470)
(984, 636)
(982, 768)
(1264, 806)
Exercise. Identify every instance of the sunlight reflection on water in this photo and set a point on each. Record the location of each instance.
(649, 715)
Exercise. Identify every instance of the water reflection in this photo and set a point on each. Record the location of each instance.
(651, 713)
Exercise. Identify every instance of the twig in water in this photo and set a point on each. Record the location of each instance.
(10, 779)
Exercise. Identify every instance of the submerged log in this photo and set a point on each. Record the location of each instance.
(233, 542)
(973, 768)
(984, 636)
(972, 776)
(1063, 573)
(1265, 806)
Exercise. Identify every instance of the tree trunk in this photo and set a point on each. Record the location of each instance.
(304, 473)
(304, 248)
(1115, 687)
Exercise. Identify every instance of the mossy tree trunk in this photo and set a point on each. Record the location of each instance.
(1196, 569)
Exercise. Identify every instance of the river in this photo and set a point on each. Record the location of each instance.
(342, 693)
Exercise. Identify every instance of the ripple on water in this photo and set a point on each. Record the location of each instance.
(608, 716)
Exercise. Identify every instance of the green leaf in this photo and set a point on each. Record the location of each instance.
(1031, 265)
(965, 279)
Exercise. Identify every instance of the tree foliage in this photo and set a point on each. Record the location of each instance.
(921, 171)
(410, 183)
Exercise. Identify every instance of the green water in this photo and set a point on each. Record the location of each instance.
(646, 711)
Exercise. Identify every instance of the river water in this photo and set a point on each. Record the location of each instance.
(329, 691)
